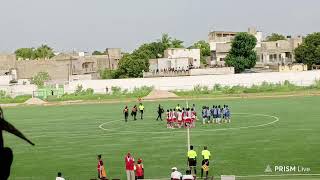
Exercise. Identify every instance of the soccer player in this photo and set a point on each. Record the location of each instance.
(175, 115)
(205, 162)
(193, 117)
(212, 114)
(134, 112)
(219, 114)
(188, 115)
(168, 118)
(180, 118)
(208, 114)
(139, 169)
(141, 108)
(204, 115)
(228, 114)
(215, 114)
(192, 160)
(126, 113)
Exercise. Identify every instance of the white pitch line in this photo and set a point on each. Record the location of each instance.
(194, 131)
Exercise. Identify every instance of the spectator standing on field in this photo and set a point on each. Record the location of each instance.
(139, 169)
(126, 113)
(59, 177)
(134, 112)
(129, 161)
(160, 111)
(101, 170)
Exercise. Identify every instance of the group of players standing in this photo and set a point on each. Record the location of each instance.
(181, 117)
(217, 113)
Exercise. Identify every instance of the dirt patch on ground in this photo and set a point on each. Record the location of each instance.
(160, 94)
(35, 101)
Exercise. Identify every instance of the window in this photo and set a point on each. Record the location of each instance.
(270, 57)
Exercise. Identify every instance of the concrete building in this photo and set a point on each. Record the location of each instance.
(62, 67)
(178, 53)
(162, 64)
(278, 52)
(273, 52)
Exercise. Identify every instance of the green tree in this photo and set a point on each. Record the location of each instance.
(25, 53)
(275, 37)
(309, 51)
(242, 55)
(176, 43)
(98, 53)
(132, 65)
(40, 78)
(204, 50)
(42, 52)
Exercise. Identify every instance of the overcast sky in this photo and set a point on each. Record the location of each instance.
(86, 25)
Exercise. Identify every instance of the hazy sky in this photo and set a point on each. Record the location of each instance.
(86, 25)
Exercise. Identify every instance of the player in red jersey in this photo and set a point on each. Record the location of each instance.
(174, 118)
(168, 119)
(187, 122)
(193, 117)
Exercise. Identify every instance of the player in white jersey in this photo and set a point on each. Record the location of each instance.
(180, 118)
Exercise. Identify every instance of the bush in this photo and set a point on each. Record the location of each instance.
(142, 91)
(108, 74)
(3, 94)
(116, 90)
(40, 78)
(201, 89)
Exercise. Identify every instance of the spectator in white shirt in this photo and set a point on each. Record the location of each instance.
(188, 176)
(175, 175)
(59, 176)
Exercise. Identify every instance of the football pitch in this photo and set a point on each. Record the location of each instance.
(269, 131)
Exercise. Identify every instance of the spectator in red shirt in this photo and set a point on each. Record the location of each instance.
(129, 160)
(101, 171)
(139, 170)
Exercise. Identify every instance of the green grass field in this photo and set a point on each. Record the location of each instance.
(68, 138)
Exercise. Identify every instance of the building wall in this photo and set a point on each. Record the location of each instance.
(57, 70)
(212, 71)
(293, 68)
(167, 63)
(184, 53)
(7, 62)
(188, 82)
